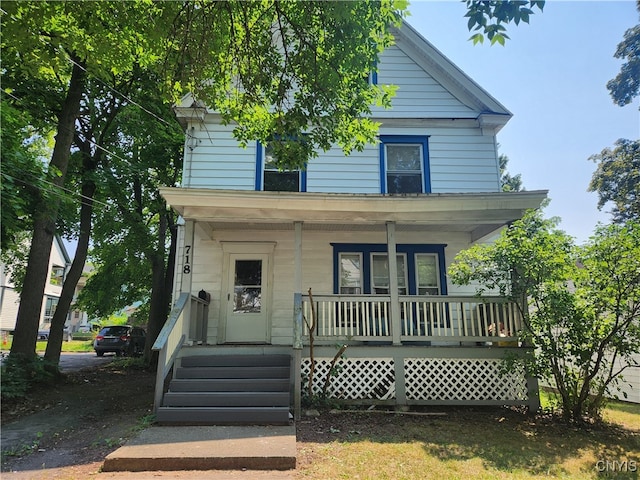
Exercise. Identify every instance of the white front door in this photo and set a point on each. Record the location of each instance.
(248, 294)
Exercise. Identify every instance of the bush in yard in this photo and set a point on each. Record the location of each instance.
(580, 304)
(19, 375)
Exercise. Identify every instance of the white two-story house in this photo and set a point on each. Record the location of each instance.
(280, 253)
(59, 264)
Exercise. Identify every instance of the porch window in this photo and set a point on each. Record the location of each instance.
(380, 273)
(428, 276)
(404, 164)
(362, 268)
(350, 273)
(270, 178)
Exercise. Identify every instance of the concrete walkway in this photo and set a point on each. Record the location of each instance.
(231, 450)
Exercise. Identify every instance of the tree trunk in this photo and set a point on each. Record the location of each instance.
(56, 332)
(159, 302)
(44, 224)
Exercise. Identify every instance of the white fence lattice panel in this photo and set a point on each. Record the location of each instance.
(461, 379)
(353, 379)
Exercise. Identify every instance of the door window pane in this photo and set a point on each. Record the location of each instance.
(404, 168)
(350, 273)
(380, 274)
(247, 292)
(428, 274)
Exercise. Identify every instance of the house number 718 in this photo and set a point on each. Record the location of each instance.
(187, 266)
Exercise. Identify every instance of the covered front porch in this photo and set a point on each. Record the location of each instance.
(405, 343)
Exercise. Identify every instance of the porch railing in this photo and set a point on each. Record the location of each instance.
(187, 318)
(422, 318)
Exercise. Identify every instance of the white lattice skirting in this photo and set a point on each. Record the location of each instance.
(353, 379)
(462, 379)
(426, 379)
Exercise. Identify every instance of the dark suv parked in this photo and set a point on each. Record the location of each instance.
(120, 339)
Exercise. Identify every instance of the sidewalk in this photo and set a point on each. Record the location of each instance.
(267, 452)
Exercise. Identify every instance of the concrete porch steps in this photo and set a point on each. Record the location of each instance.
(228, 390)
(171, 448)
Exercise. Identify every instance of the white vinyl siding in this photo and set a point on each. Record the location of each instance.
(462, 157)
(317, 267)
(332, 172)
(460, 160)
(418, 94)
(217, 160)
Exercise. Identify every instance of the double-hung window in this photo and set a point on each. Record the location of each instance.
(380, 273)
(404, 164)
(350, 281)
(270, 178)
(427, 274)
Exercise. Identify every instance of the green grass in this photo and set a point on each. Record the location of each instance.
(469, 444)
(72, 346)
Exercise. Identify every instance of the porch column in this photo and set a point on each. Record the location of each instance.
(186, 272)
(297, 320)
(393, 283)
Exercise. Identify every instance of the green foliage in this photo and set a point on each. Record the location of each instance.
(617, 179)
(488, 18)
(23, 174)
(580, 305)
(626, 85)
(508, 183)
(127, 363)
(19, 374)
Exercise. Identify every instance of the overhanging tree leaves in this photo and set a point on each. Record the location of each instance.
(626, 85)
(489, 18)
(52, 40)
(617, 180)
(49, 41)
(273, 68)
(135, 237)
(580, 305)
(22, 174)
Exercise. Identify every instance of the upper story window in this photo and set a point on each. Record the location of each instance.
(270, 178)
(57, 275)
(404, 164)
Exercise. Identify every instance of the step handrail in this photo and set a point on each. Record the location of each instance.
(161, 345)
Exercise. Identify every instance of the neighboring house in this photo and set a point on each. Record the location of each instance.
(256, 239)
(59, 263)
(78, 320)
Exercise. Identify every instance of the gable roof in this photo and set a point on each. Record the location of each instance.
(490, 111)
(484, 108)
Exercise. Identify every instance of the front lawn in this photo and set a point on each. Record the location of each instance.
(72, 346)
(474, 443)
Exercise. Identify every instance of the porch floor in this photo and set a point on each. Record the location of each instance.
(171, 448)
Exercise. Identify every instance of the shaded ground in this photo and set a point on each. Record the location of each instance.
(76, 422)
(66, 431)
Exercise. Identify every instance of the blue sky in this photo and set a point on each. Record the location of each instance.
(551, 75)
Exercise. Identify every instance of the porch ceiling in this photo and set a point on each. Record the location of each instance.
(477, 213)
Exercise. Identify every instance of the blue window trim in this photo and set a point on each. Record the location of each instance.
(410, 249)
(374, 73)
(419, 139)
(259, 183)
